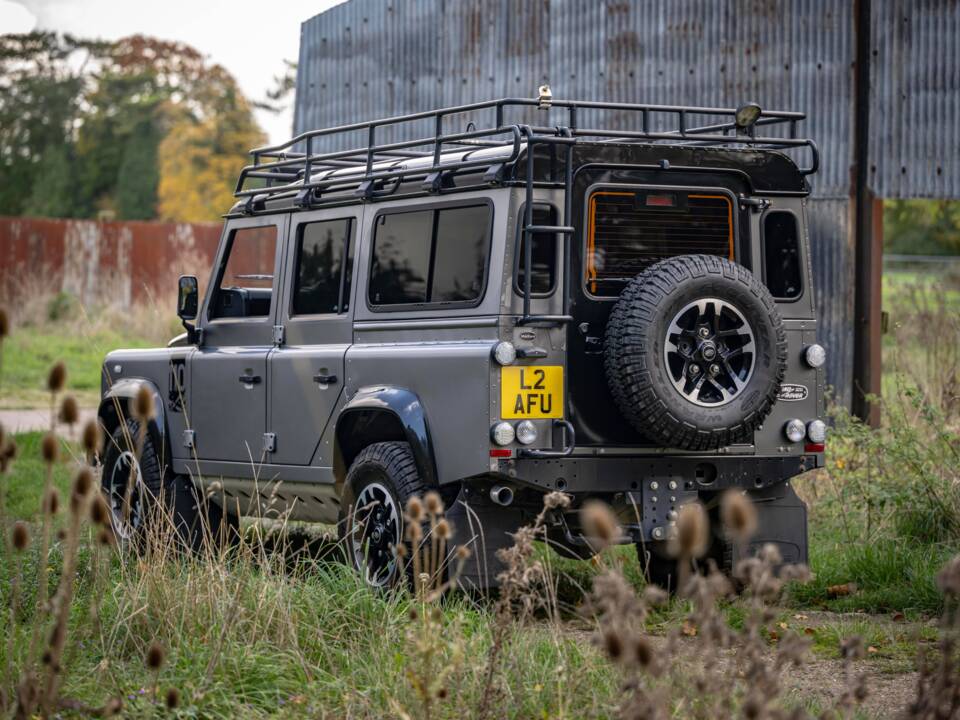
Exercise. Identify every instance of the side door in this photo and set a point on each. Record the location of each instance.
(306, 370)
(228, 395)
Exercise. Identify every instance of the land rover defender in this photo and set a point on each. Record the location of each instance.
(495, 301)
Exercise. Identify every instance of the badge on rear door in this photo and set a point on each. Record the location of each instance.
(791, 392)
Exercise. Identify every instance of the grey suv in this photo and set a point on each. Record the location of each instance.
(534, 303)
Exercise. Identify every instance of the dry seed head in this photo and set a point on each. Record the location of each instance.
(693, 532)
(599, 522)
(105, 537)
(443, 530)
(643, 651)
(155, 656)
(83, 482)
(412, 614)
(50, 448)
(113, 707)
(69, 410)
(91, 437)
(99, 512)
(143, 404)
(415, 509)
(173, 698)
(441, 693)
(556, 499)
(463, 552)
(613, 645)
(433, 503)
(400, 551)
(4, 324)
(57, 377)
(414, 532)
(20, 536)
(738, 515)
(61, 533)
(51, 503)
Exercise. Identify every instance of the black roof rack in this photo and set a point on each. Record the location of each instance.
(296, 168)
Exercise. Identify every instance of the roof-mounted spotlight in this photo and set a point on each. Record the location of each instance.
(545, 97)
(746, 116)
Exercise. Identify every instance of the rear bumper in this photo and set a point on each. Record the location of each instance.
(630, 473)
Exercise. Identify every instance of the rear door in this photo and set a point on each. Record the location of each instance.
(306, 370)
(228, 395)
(629, 226)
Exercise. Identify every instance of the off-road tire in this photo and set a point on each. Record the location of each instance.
(199, 524)
(633, 352)
(392, 465)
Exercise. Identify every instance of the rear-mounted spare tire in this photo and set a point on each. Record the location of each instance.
(695, 352)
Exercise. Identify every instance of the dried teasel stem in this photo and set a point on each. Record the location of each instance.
(82, 484)
(20, 538)
(4, 332)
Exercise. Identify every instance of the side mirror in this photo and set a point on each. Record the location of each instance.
(188, 297)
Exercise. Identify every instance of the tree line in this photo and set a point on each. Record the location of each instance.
(136, 129)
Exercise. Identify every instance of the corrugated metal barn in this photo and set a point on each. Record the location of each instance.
(878, 79)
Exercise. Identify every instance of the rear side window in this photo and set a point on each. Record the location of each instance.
(543, 250)
(430, 256)
(324, 265)
(628, 231)
(781, 255)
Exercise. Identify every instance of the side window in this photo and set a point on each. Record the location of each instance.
(245, 284)
(430, 256)
(323, 266)
(543, 251)
(781, 255)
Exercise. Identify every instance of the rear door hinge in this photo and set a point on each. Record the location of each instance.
(269, 442)
(278, 334)
(189, 439)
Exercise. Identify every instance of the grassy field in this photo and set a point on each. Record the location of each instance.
(54, 329)
(260, 632)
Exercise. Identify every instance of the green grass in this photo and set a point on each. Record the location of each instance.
(30, 351)
(24, 485)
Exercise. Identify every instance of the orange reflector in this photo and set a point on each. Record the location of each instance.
(500, 452)
(660, 200)
(814, 447)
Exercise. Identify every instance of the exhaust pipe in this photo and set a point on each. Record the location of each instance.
(501, 495)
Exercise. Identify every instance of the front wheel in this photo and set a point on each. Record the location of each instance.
(380, 481)
(147, 500)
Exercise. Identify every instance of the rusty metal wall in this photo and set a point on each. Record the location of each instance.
(915, 99)
(113, 262)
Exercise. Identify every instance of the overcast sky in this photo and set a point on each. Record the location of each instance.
(249, 38)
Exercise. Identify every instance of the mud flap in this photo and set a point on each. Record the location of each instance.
(782, 521)
(484, 528)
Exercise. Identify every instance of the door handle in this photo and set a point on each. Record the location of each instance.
(250, 379)
(325, 379)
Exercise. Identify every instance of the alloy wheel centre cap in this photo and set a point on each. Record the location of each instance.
(708, 350)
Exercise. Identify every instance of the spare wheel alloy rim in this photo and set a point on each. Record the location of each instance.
(709, 352)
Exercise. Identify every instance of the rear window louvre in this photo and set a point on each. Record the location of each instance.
(626, 234)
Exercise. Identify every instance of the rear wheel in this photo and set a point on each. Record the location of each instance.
(147, 500)
(380, 481)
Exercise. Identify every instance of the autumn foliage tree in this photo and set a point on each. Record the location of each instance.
(139, 128)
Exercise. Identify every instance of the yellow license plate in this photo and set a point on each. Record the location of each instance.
(531, 392)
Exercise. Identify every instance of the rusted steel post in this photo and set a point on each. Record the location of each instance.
(868, 244)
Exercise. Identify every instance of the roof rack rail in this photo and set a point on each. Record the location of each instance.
(376, 168)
